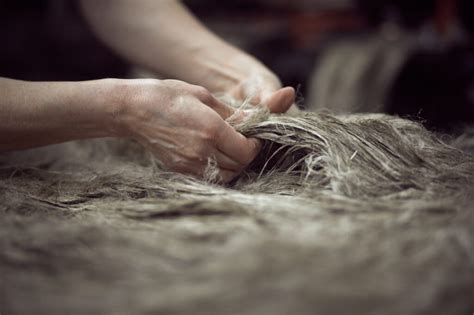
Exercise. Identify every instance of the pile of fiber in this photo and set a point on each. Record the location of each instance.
(361, 214)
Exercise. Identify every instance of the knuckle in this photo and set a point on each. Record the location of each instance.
(189, 165)
(199, 154)
(195, 155)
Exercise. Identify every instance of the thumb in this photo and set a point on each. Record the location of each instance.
(281, 100)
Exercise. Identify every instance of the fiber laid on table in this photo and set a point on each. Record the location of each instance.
(365, 214)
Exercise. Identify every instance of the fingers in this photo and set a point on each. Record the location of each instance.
(206, 97)
(281, 100)
(228, 167)
(227, 162)
(199, 170)
(226, 175)
(233, 144)
(278, 102)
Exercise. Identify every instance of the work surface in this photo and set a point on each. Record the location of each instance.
(95, 228)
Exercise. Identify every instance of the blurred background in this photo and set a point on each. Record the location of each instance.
(414, 58)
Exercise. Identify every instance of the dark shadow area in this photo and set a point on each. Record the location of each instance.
(432, 81)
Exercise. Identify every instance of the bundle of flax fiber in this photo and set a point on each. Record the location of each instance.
(359, 214)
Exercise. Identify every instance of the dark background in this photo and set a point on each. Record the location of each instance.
(49, 40)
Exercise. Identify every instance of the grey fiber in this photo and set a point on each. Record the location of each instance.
(355, 214)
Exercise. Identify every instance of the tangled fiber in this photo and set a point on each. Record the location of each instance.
(359, 214)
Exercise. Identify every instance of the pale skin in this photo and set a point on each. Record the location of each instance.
(182, 123)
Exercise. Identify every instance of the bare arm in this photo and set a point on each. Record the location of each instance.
(182, 124)
(165, 37)
(40, 113)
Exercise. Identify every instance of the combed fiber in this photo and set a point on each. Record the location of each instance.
(359, 214)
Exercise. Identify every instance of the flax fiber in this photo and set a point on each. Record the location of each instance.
(358, 214)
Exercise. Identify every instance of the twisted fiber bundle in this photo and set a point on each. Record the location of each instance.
(363, 214)
(356, 156)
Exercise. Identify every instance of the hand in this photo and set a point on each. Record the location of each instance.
(262, 86)
(276, 99)
(164, 37)
(183, 125)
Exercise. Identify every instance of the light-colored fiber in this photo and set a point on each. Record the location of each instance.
(365, 214)
(356, 156)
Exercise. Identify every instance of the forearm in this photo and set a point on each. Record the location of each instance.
(164, 36)
(41, 113)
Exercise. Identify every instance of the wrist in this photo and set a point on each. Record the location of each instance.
(220, 66)
(112, 98)
(127, 102)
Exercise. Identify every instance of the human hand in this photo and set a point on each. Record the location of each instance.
(166, 38)
(277, 100)
(184, 126)
(261, 86)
